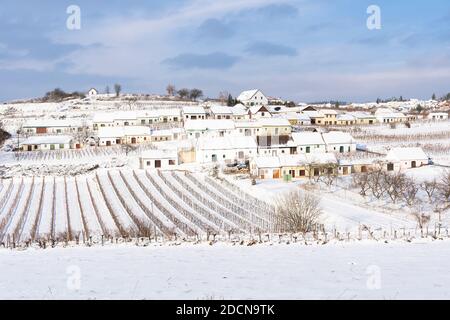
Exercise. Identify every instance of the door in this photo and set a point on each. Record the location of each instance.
(52, 147)
(390, 167)
(133, 140)
(157, 163)
(30, 148)
(292, 173)
(77, 146)
(214, 157)
(41, 130)
(341, 149)
(345, 170)
(413, 164)
(108, 143)
(308, 149)
(276, 174)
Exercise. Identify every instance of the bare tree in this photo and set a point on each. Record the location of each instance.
(330, 174)
(410, 192)
(394, 185)
(170, 90)
(117, 89)
(127, 148)
(183, 93)
(361, 181)
(297, 211)
(444, 186)
(107, 90)
(376, 183)
(194, 94)
(430, 188)
(422, 220)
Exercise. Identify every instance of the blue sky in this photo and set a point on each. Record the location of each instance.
(306, 50)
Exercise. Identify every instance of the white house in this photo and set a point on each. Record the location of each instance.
(92, 92)
(308, 142)
(258, 112)
(239, 112)
(47, 143)
(337, 141)
(221, 112)
(437, 116)
(193, 113)
(211, 128)
(225, 149)
(52, 126)
(254, 97)
(158, 159)
(399, 159)
(266, 167)
(110, 136)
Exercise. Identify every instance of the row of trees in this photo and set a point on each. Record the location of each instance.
(117, 89)
(399, 187)
(58, 95)
(184, 93)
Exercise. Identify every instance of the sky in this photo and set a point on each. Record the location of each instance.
(303, 50)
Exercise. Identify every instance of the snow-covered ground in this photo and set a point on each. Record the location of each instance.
(362, 270)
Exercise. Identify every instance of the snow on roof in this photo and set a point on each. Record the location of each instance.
(274, 122)
(248, 124)
(267, 162)
(345, 117)
(328, 111)
(307, 138)
(337, 137)
(159, 154)
(402, 154)
(297, 116)
(256, 109)
(292, 160)
(239, 110)
(313, 114)
(221, 110)
(111, 132)
(390, 115)
(193, 110)
(209, 124)
(247, 95)
(47, 140)
(321, 158)
(46, 123)
(362, 115)
(226, 143)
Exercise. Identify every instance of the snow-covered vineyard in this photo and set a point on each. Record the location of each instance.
(126, 203)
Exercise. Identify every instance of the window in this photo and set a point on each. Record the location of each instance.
(149, 163)
(142, 121)
(171, 162)
(61, 146)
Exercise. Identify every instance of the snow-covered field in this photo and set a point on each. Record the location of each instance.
(362, 270)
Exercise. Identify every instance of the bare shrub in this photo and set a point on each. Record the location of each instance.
(395, 185)
(422, 220)
(430, 187)
(444, 187)
(376, 183)
(410, 192)
(297, 211)
(361, 181)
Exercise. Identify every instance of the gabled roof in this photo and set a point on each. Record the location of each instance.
(193, 110)
(307, 138)
(47, 140)
(321, 158)
(345, 117)
(239, 110)
(256, 109)
(247, 95)
(221, 110)
(405, 154)
(337, 137)
(159, 154)
(267, 162)
(48, 123)
(274, 122)
(226, 143)
(209, 124)
(116, 132)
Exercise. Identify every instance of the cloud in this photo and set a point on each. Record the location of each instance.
(215, 60)
(278, 11)
(214, 29)
(263, 48)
